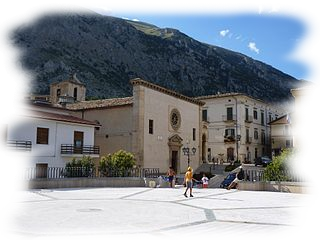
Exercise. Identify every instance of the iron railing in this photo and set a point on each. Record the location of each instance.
(86, 149)
(278, 176)
(91, 172)
(19, 145)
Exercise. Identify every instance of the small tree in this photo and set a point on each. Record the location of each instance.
(278, 168)
(117, 164)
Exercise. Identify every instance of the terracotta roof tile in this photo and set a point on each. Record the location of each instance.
(102, 103)
(59, 117)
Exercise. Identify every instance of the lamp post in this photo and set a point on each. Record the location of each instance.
(186, 151)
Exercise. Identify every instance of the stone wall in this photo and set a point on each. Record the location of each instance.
(293, 187)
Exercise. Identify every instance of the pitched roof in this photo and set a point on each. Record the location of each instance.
(102, 103)
(138, 81)
(285, 119)
(61, 117)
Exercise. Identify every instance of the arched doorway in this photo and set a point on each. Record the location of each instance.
(175, 144)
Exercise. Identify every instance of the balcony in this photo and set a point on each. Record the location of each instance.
(229, 138)
(70, 149)
(19, 145)
(249, 119)
(229, 118)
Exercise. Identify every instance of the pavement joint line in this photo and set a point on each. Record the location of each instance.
(45, 195)
(258, 223)
(137, 193)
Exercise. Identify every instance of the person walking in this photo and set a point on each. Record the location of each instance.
(188, 177)
(171, 173)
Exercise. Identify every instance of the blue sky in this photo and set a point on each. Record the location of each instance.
(268, 38)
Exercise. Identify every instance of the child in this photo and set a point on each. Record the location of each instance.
(205, 181)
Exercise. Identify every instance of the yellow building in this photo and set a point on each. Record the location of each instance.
(307, 120)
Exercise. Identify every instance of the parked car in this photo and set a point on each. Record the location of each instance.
(228, 179)
(263, 161)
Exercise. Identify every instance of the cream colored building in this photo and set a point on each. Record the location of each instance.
(236, 127)
(281, 134)
(154, 124)
(307, 120)
(67, 91)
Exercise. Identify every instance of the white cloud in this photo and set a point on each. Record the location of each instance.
(223, 33)
(136, 20)
(260, 7)
(103, 10)
(296, 8)
(276, 5)
(252, 46)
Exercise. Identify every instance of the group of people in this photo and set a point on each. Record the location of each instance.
(188, 180)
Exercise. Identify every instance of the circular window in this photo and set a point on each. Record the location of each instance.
(175, 119)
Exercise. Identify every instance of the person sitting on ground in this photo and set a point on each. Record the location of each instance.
(205, 181)
(171, 173)
(239, 177)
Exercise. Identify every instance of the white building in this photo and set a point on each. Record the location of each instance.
(236, 127)
(51, 137)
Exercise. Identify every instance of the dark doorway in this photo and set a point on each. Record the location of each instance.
(41, 170)
(174, 160)
(2, 171)
(3, 136)
(78, 142)
(230, 154)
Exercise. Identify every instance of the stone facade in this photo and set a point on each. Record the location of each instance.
(154, 124)
(236, 127)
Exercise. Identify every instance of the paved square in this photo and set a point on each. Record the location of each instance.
(154, 212)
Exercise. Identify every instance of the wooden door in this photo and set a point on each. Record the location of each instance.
(230, 154)
(41, 170)
(78, 142)
(174, 159)
(3, 136)
(2, 171)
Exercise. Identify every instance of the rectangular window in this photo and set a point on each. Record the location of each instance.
(316, 146)
(247, 114)
(288, 143)
(255, 114)
(204, 115)
(42, 135)
(230, 132)
(263, 137)
(75, 93)
(256, 134)
(316, 111)
(247, 135)
(194, 134)
(150, 126)
(229, 113)
(270, 117)
(262, 118)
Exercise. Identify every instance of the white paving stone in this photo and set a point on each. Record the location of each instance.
(153, 212)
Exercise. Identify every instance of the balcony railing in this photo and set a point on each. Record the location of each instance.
(229, 138)
(249, 119)
(227, 118)
(19, 145)
(86, 149)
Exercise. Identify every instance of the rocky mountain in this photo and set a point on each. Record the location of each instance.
(107, 52)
